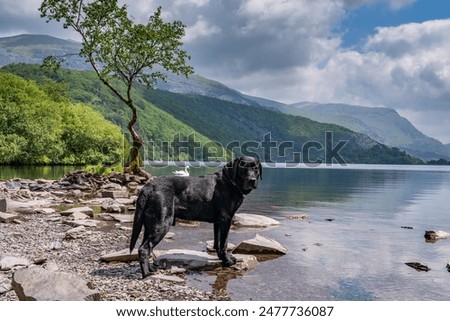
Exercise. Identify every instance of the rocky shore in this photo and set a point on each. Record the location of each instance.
(73, 227)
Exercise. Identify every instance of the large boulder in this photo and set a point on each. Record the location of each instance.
(38, 284)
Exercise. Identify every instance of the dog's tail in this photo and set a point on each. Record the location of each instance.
(138, 220)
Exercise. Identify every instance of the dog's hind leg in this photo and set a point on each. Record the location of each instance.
(144, 251)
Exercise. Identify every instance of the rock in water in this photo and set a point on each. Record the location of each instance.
(253, 220)
(418, 266)
(260, 245)
(38, 284)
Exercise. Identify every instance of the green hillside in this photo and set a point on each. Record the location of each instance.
(40, 127)
(163, 115)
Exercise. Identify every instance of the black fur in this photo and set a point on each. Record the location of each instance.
(211, 198)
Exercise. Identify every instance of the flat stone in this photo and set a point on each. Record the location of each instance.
(253, 220)
(29, 207)
(38, 284)
(9, 261)
(121, 256)
(75, 233)
(45, 210)
(188, 259)
(122, 218)
(112, 206)
(168, 278)
(115, 194)
(210, 246)
(260, 245)
(86, 210)
(86, 223)
(180, 260)
(78, 216)
(8, 218)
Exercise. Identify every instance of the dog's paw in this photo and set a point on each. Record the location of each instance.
(229, 261)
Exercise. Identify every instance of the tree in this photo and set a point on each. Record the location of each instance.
(119, 49)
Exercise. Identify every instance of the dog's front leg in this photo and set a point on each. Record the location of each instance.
(221, 230)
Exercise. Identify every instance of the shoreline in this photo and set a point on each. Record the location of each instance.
(33, 236)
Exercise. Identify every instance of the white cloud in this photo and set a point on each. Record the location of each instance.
(202, 28)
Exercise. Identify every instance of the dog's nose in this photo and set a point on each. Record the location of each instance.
(252, 181)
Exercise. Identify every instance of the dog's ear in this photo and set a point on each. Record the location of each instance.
(236, 164)
(231, 168)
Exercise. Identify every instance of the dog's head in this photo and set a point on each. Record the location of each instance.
(244, 172)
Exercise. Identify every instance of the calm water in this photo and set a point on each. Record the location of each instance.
(352, 246)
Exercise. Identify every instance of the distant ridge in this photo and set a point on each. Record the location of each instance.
(382, 124)
(32, 49)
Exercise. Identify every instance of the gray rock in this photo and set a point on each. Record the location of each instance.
(188, 259)
(260, 245)
(9, 261)
(86, 210)
(169, 278)
(5, 284)
(123, 218)
(115, 194)
(86, 223)
(75, 233)
(56, 245)
(253, 220)
(8, 218)
(121, 256)
(113, 206)
(196, 260)
(38, 284)
(78, 216)
(13, 185)
(182, 260)
(210, 246)
(29, 207)
(48, 211)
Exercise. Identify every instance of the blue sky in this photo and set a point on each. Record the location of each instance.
(391, 53)
(360, 22)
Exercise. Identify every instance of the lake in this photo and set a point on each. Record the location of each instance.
(364, 223)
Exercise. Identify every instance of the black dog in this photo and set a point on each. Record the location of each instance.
(211, 198)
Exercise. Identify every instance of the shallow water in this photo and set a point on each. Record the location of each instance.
(364, 223)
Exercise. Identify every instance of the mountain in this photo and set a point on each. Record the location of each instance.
(33, 48)
(169, 120)
(382, 124)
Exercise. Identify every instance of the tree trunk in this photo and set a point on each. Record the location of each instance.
(133, 164)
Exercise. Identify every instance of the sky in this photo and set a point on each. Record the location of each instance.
(391, 53)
